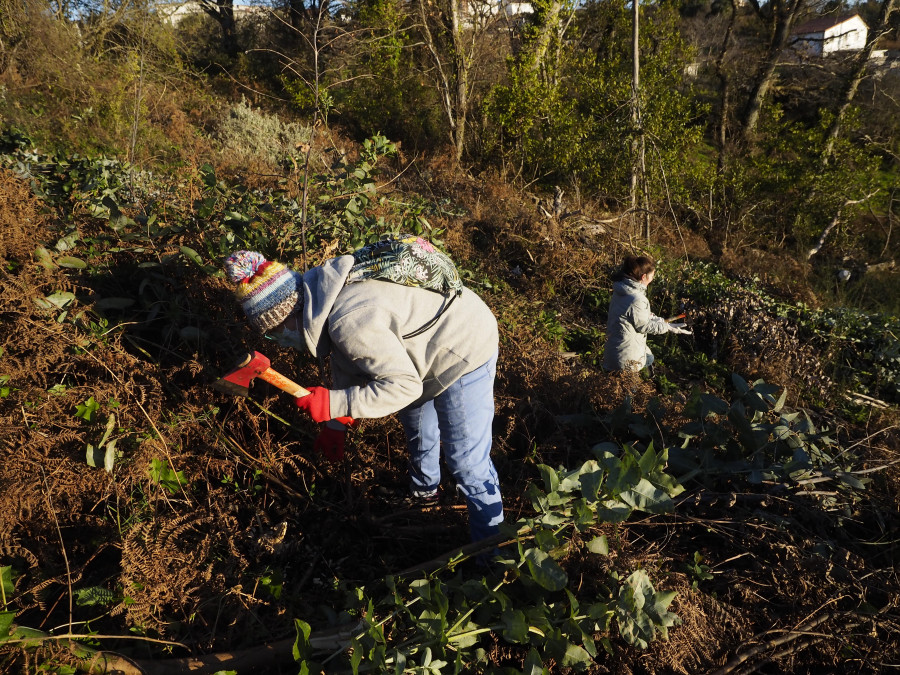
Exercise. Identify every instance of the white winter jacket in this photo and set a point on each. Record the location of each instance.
(630, 321)
(375, 370)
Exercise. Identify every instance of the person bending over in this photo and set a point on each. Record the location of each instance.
(393, 348)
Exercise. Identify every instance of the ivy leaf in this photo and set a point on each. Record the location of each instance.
(545, 571)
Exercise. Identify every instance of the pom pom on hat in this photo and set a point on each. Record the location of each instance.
(242, 265)
(268, 291)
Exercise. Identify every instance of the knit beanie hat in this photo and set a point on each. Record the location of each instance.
(268, 291)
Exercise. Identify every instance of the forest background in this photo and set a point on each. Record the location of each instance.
(739, 502)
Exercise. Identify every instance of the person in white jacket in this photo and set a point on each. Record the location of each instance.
(392, 349)
(630, 319)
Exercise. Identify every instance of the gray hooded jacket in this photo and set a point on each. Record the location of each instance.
(375, 372)
(630, 321)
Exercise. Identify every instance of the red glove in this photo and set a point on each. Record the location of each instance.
(318, 405)
(330, 443)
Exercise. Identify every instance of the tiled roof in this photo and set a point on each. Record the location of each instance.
(822, 24)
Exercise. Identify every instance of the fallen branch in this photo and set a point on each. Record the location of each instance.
(263, 658)
(801, 631)
(834, 222)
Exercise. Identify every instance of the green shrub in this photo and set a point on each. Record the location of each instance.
(246, 134)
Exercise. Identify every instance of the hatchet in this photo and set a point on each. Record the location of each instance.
(253, 365)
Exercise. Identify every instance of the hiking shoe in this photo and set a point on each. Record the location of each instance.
(432, 498)
(406, 497)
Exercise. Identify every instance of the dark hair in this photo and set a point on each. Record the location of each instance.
(634, 267)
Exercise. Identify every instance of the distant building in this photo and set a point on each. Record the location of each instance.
(827, 35)
(174, 12)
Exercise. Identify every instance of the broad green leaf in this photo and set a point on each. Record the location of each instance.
(537, 498)
(545, 571)
(591, 478)
(44, 259)
(545, 540)
(599, 545)
(740, 384)
(576, 657)
(95, 456)
(7, 587)
(6, 622)
(647, 497)
(109, 458)
(71, 263)
(648, 461)
(613, 511)
(515, 626)
(192, 254)
(422, 588)
(56, 300)
(569, 481)
(623, 473)
(710, 404)
(533, 664)
(68, 242)
(852, 481)
(550, 476)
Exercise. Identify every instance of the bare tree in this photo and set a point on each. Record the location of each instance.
(454, 31)
(222, 12)
(780, 16)
(724, 90)
(638, 145)
(881, 28)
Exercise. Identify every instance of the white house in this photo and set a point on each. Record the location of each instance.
(827, 35)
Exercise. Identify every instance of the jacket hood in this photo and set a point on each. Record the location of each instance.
(629, 287)
(321, 287)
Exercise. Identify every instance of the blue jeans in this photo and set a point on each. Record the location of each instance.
(460, 418)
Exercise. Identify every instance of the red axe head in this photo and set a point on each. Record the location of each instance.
(237, 382)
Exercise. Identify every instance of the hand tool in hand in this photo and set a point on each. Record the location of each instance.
(237, 381)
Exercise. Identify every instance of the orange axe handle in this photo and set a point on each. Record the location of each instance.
(276, 379)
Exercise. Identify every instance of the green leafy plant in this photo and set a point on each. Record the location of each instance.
(162, 474)
(86, 410)
(697, 570)
(755, 438)
(104, 453)
(435, 623)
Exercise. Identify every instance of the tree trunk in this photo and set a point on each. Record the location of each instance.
(638, 164)
(724, 93)
(784, 20)
(461, 75)
(222, 11)
(859, 69)
(545, 35)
